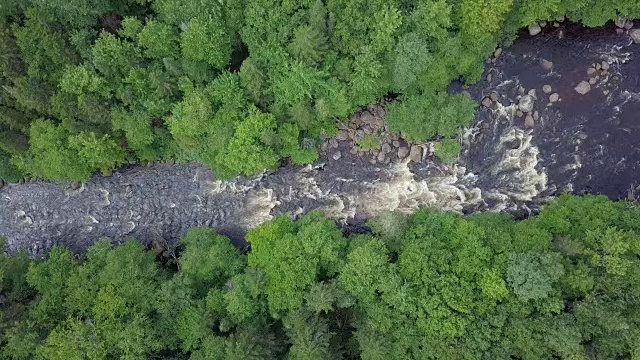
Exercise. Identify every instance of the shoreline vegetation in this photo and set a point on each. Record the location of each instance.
(563, 284)
(90, 85)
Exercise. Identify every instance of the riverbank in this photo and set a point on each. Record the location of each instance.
(585, 143)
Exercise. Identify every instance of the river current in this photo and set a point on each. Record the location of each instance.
(580, 143)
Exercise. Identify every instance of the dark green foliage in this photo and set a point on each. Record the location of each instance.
(563, 284)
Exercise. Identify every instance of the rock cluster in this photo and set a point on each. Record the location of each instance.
(369, 123)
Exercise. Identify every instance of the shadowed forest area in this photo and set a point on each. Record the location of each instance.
(89, 85)
(564, 284)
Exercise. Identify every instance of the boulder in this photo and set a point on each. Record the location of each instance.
(494, 96)
(497, 52)
(486, 102)
(386, 148)
(546, 89)
(416, 153)
(381, 156)
(593, 81)
(605, 65)
(635, 35)
(529, 123)
(546, 64)
(337, 155)
(583, 88)
(534, 29)
(554, 97)
(403, 152)
(525, 104)
(620, 22)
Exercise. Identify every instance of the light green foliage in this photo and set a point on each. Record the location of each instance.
(447, 150)
(247, 151)
(425, 116)
(209, 259)
(369, 142)
(158, 39)
(531, 276)
(206, 40)
(411, 57)
(101, 153)
(308, 44)
(429, 285)
(50, 154)
(113, 58)
(293, 256)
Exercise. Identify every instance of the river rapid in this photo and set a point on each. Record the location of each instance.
(581, 143)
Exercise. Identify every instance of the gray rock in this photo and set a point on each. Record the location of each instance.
(583, 88)
(333, 143)
(605, 65)
(628, 25)
(342, 136)
(75, 185)
(519, 113)
(532, 92)
(591, 71)
(546, 89)
(494, 96)
(381, 156)
(525, 104)
(416, 153)
(593, 81)
(554, 97)
(497, 52)
(396, 143)
(337, 155)
(386, 148)
(546, 64)
(529, 123)
(534, 29)
(635, 35)
(403, 152)
(536, 115)
(486, 102)
(620, 22)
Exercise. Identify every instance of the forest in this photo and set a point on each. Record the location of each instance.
(239, 85)
(564, 284)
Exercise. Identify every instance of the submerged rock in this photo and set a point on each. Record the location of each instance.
(583, 87)
(526, 103)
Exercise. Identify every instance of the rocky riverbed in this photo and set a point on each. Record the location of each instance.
(559, 112)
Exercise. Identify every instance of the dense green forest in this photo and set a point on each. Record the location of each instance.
(239, 85)
(564, 284)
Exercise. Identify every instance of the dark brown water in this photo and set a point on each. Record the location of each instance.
(583, 143)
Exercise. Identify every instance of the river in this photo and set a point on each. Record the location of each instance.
(581, 143)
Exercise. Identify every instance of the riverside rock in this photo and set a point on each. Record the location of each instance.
(534, 29)
(416, 153)
(635, 35)
(403, 152)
